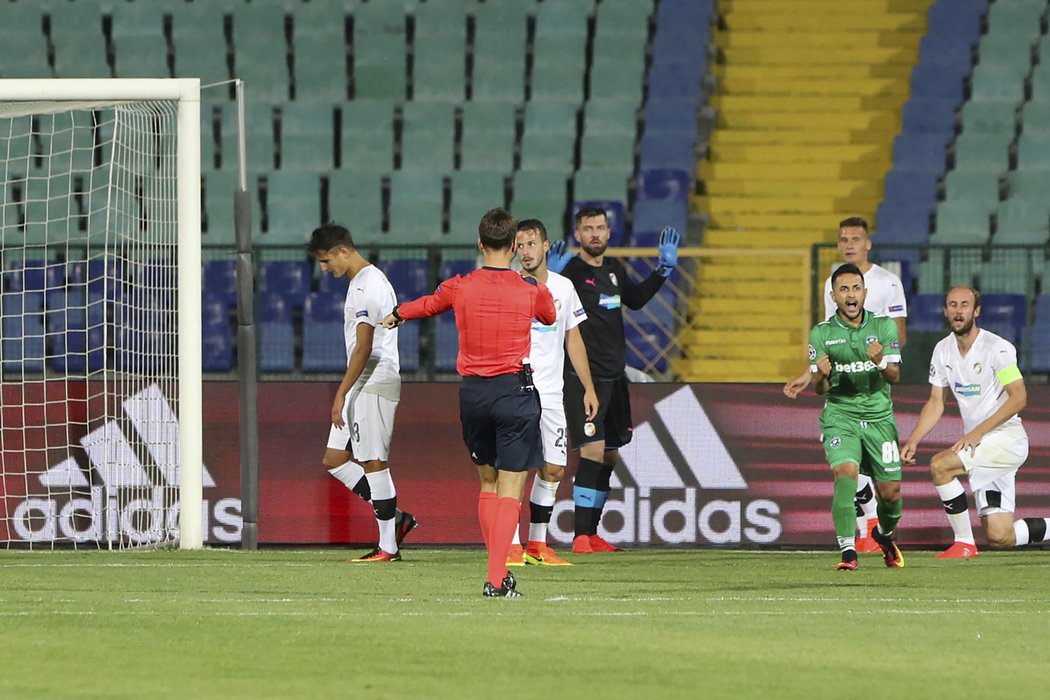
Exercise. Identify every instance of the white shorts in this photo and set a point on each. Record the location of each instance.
(555, 435)
(999, 496)
(1000, 452)
(368, 428)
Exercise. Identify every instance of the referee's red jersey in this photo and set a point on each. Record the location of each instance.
(494, 309)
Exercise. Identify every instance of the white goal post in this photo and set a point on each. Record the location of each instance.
(105, 210)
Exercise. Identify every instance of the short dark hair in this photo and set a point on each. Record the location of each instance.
(854, 222)
(497, 229)
(588, 212)
(974, 290)
(328, 236)
(847, 269)
(533, 225)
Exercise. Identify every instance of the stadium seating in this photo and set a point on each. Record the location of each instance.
(324, 349)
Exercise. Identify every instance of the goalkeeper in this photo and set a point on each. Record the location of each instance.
(602, 285)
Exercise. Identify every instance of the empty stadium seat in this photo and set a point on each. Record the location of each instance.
(219, 278)
(324, 348)
(292, 280)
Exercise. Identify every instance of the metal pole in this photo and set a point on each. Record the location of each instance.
(247, 362)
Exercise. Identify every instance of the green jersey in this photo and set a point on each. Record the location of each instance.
(857, 389)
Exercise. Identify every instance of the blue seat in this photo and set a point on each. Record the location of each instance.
(919, 152)
(217, 345)
(23, 343)
(273, 307)
(646, 341)
(78, 350)
(666, 151)
(938, 80)
(947, 50)
(17, 303)
(1004, 314)
(214, 308)
(960, 18)
(156, 275)
(1042, 308)
(291, 279)
(73, 308)
(324, 308)
(276, 346)
(671, 115)
(407, 277)
(102, 276)
(614, 213)
(678, 81)
(686, 46)
(653, 216)
(35, 275)
(911, 188)
(450, 267)
(929, 114)
(663, 185)
(219, 279)
(327, 284)
(1038, 356)
(324, 348)
(926, 312)
(903, 222)
(408, 346)
(446, 342)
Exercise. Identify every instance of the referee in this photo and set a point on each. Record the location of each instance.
(498, 406)
(603, 287)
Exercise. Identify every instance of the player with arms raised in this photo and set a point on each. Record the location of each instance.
(855, 356)
(981, 369)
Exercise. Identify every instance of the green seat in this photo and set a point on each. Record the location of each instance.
(473, 194)
(259, 137)
(258, 20)
(1035, 118)
(1033, 152)
(1023, 220)
(1008, 272)
(1041, 79)
(489, 117)
(428, 137)
(25, 56)
(949, 267)
(200, 56)
(499, 52)
(1005, 49)
(1022, 184)
(998, 82)
(319, 21)
(624, 16)
(989, 118)
(439, 68)
(541, 195)
(617, 78)
(81, 56)
(551, 117)
(979, 187)
(617, 44)
(607, 152)
(320, 68)
(68, 140)
(416, 206)
(293, 207)
(1016, 19)
(444, 20)
(589, 185)
(565, 20)
(217, 191)
(211, 119)
(983, 152)
(610, 117)
(307, 136)
(487, 151)
(379, 66)
(558, 72)
(263, 68)
(355, 199)
(368, 135)
(552, 152)
(500, 80)
(961, 222)
(140, 57)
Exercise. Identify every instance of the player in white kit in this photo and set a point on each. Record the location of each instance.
(885, 297)
(549, 345)
(981, 370)
(362, 413)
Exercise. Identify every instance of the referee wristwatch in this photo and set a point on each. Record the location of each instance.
(395, 314)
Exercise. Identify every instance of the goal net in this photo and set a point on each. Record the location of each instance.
(100, 420)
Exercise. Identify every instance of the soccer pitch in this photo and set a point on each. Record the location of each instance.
(666, 623)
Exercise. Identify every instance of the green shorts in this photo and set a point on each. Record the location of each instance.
(872, 445)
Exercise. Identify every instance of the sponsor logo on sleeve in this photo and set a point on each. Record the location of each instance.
(812, 353)
(363, 313)
(897, 307)
(579, 312)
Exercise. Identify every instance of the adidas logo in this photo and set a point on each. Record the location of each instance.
(127, 500)
(675, 460)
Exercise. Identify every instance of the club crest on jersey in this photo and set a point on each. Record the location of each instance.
(834, 442)
(871, 339)
(933, 370)
(978, 367)
(557, 304)
(812, 353)
(612, 278)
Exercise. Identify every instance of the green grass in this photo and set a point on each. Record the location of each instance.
(643, 624)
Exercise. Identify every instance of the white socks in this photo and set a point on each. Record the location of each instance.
(960, 521)
(349, 473)
(382, 485)
(543, 494)
(868, 507)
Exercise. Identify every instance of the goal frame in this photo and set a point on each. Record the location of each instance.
(186, 93)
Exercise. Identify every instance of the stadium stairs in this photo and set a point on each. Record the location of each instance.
(808, 102)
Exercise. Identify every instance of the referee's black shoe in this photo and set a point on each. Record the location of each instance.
(491, 591)
(404, 523)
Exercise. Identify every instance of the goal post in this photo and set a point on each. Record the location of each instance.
(125, 199)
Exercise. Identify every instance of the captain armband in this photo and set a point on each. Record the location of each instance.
(1008, 375)
(884, 364)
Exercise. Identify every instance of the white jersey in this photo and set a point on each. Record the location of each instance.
(548, 342)
(977, 379)
(885, 294)
(369, 298)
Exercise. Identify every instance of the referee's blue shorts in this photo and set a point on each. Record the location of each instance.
(501, 422)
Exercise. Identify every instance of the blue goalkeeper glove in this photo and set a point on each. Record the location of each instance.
(558, 257)
(668, 247)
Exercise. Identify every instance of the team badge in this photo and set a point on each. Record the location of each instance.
(933, 370)
(835, 442)
(588, 429)
(557, 304)
(812, 353)
(871, 339)
(978, 367)
(612, 278)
